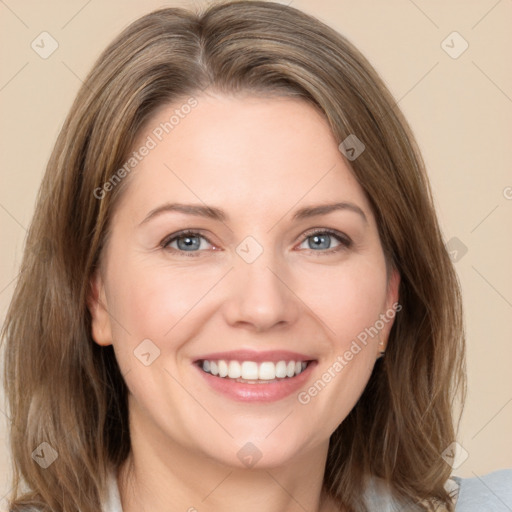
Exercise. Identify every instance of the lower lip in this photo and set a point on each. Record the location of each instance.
(265, 392)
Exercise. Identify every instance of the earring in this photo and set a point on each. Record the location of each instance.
(382, 352)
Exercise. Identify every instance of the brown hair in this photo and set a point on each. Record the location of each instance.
(67, 391)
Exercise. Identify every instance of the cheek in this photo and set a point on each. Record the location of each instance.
(151, 300)
(349, 298)
(352, 300)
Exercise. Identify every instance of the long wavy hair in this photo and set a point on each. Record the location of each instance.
(67, 391)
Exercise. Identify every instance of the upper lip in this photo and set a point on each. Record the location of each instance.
(257, 356)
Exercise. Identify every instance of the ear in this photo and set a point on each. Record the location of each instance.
(97, 305)
(392, 307)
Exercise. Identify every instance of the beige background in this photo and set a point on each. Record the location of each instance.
(460, 110)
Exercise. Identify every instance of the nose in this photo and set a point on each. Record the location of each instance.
(260, 295)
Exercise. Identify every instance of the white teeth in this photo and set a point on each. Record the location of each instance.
(249, 370)
(234, 370)
(223, 368)
(267, 371)
(252, 371)
(281, 369)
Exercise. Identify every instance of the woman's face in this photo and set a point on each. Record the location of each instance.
(266, 278)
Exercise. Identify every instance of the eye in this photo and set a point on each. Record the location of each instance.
(185, 242)
(321, 239)
(189, 243)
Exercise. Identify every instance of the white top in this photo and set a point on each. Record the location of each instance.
(492, 492)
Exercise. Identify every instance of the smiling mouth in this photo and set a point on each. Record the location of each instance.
(251, 372)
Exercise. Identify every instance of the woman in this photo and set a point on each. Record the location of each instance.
(235, 291)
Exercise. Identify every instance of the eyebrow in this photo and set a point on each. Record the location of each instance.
(211, 212)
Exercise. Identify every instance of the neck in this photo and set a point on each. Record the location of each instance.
(159, 479)
(232, 490)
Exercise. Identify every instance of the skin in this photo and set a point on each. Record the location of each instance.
(259, 159)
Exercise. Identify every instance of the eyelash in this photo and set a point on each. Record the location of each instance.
(345, 241)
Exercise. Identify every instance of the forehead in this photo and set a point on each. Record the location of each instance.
(235, 152)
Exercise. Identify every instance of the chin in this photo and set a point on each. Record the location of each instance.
(256, 452)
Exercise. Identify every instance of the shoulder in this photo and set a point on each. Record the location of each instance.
(113, 499)
(488, 492)
(111, 502)
(491, 492)
(379, 496)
